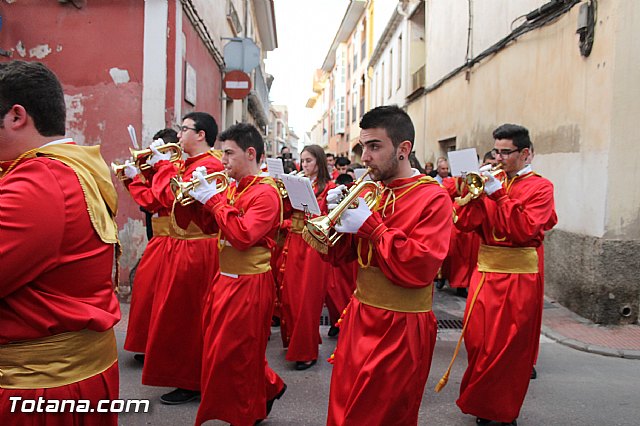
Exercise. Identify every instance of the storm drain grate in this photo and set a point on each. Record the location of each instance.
(450, 324)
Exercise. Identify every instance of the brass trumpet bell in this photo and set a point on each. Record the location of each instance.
(474, 181)
(181, 189)
(139, 157)
(322, 228)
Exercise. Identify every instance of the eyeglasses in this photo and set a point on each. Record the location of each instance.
(185, 128)
(504, 152)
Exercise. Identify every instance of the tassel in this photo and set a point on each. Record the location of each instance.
(315, 244)
(443, 382)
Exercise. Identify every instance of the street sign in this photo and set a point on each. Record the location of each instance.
(236, 84)
(241, 54)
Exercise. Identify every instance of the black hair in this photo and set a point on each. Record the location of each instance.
(344, 179)
(167, 135)
(37, 89)
(394, 120)
(246, 136)
(516, 133)
(204, 122)
(342, 161)
(488, 156)
(415, 163)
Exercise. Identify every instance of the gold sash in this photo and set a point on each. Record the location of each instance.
(508, 260)
(162, 227)
(254, 261)
(56, 360)
(297, 222)
(375, 289)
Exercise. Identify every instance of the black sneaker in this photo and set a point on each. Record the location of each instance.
(333, 331)
(534, 374)
(139, 358)
(481, 421)
(179, 396)
(304, 365)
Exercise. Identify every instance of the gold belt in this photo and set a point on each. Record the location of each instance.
(256, 260)
(297, 222)
(56, 360)
(375, 289)
(508, 260)
(162, 227)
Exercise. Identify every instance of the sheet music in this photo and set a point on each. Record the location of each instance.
(275, 167)
(301, 193)
(464, 160)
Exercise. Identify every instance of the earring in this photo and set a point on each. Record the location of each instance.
(401, 157)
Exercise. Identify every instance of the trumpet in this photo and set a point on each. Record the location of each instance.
(475, 181)
(139, 156)
(322, 228)
(181, 189)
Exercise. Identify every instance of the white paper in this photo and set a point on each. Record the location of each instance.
(359, 172)
(275, 167)
(463, 161)
(301, 193)
(132, 135)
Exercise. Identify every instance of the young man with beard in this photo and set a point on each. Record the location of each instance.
(388, 331)
(238, 386)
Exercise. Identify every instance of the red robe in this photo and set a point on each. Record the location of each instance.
(462, 258)
(503, 330)
(383, 357)
(341, 285)
(303, 290)
(56, 278)
(236, 378)
(143, 287)
(183, 270)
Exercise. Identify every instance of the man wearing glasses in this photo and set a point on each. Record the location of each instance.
(182, 264)
(503, 318)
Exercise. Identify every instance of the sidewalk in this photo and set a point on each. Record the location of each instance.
(570, 329)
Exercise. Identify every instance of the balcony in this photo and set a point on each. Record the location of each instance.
(417, 79)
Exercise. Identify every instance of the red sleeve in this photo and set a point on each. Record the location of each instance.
(142, 194)
(25, 223)
(165, 170)
(521, 221)
(407, 258)
(245, 229)
(470, 216)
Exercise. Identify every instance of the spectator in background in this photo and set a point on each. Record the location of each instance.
(288, 163)
(428, 169)
(415, 163)
(331, 164)
(488, 159)
(342, 163)
(442, 171)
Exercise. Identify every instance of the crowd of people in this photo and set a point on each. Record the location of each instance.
(234, 259)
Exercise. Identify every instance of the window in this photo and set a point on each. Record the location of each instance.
(390, 77)
(354, 104)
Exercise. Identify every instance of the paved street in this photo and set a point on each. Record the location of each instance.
(573, 387)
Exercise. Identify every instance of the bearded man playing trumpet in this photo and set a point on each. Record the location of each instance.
(177, 267)
(503, 317)
(388, 331)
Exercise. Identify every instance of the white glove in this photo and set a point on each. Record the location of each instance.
(352, 219)
(492, 184)
(334, 196)
(157, 155)
(201, 169)
(205, 190)
(130, 170)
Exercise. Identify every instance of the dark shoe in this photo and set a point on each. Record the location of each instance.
(534, 374)
(333, 331)
(275, 322)
(440, 284)
(302, 365)
(271, 401)
(179, 396)
(513, 423)
(462, 292)
(139, 358)
(481, 421)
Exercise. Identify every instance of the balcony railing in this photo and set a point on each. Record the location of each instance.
(417, 79)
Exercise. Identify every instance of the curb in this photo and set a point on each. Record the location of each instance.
(586, 347)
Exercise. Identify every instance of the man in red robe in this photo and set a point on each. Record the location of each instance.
(58, 241)
(389, 330)
(238, 386)
(503, 316)
(182, 266)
